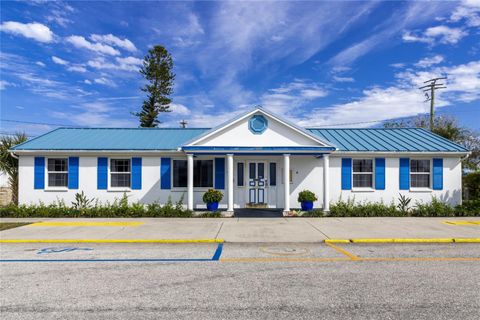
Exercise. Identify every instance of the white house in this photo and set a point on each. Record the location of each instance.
(257, 160)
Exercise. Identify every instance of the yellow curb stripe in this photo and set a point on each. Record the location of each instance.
(462, 223)
(112, 241)
(467, 240)
(86, 224)
(337, 241)
(343, 251)
(395, 240)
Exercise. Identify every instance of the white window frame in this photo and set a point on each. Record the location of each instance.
(55, 188)
(196, 189)
(367, 189)
(109, 180)
(429, 188)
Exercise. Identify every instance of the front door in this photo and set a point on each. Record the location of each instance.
(257, 183)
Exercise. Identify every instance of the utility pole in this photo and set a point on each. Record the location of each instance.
(183, 124)
(429, 91)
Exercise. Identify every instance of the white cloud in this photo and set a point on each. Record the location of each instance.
(40, 63)
(4, 84)
(402, 99)
(468, 11)
(126, 64)
(82, 43)
(286, 98)
(179, 109)
(70, 67)
(343, 79)
(93, 114)
(86, 81)
(427, 62)
(113, 40)
(77, 68)
(105, 81)
(398, 65)
(34, 30)
(60, 61)
(439, 34)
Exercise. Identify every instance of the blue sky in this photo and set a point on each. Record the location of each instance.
(317, 63)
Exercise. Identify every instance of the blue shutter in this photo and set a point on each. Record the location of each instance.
(404, 173)
(39, 173)
(73, 173)
(165, 173)
(102, 173)
(136, 173)
(380, 173)
(346, 173)
(219, 173)
(438, 174)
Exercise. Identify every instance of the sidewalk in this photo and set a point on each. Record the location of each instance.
(244, 229)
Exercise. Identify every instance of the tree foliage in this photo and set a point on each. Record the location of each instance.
(8, 163)
(157, 69)
(448, 128)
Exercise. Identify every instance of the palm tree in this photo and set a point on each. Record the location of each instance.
(8, 163)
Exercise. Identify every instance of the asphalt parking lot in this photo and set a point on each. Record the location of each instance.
(240, 281)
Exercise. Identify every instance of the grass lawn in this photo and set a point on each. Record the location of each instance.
(10, 225)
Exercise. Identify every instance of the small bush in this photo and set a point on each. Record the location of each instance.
(214, 214)
(315, 213)
(468, 208)
(212, 195)
(435, 208)
(306, 195)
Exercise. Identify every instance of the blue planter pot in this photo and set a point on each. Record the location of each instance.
(212, 206)
(307, 205)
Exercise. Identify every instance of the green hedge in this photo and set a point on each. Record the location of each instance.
(435, 208)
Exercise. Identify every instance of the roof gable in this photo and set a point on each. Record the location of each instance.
(272, 130)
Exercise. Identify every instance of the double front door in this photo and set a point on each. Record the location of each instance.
(257, 183)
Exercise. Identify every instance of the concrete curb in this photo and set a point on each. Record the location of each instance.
(112, 241)
(407, 240)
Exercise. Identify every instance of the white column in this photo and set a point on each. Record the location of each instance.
(286, 180)
(326, 183)
(230, 182)
(190, 181)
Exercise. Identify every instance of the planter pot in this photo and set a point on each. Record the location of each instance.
(212, 206)
(307, 205)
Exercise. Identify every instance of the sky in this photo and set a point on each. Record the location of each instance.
(319, 64)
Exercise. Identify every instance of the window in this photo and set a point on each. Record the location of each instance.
(362, 173)
(420, 173)
(57, 172)
(273, 174)
(202, 173)
(120, 173)
(240, 174)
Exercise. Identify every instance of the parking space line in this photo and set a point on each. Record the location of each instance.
(342, 251)
(218, 252)
(282, 259)
(111, 241)
(462, 223)
(86, 224)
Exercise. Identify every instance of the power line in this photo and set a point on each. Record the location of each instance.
(432, 86)
(40, 123)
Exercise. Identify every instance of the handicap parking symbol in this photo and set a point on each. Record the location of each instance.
(63, 249)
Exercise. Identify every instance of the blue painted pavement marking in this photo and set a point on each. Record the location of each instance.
(59, 250)
(215, 257)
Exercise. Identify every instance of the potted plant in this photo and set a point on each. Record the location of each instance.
(306, 198)
(212, 197)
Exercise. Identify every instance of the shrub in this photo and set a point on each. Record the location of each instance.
(212, 195)
(403, 204)
(366, 209)
(471, 185)
(468, 208)
(435, 208)
(306, 195)
(315, 213)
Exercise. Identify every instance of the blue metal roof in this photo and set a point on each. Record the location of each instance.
(112, 139)
(376, 140)
(387, 140)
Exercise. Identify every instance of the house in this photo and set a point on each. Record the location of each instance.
(257, 159)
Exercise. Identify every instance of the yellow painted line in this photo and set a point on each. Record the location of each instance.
(462, 223)
(86, 224)
(111, 241)
(467, 240)
(260, 260)
(343, 251)
(282, 259)
(337, 241)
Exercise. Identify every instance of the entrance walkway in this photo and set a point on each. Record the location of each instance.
(258, 213)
